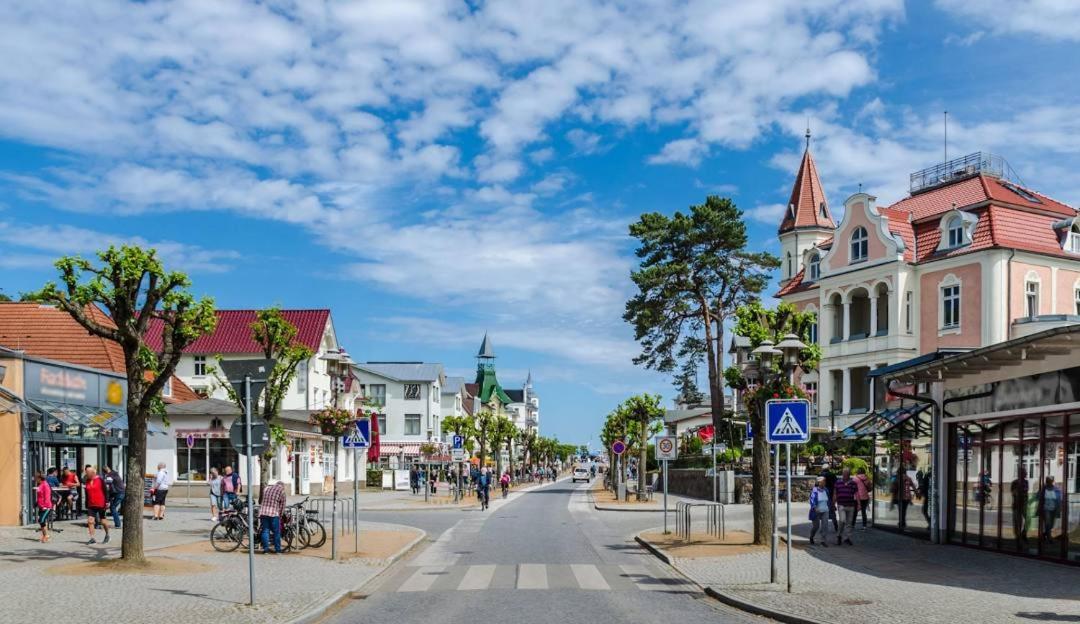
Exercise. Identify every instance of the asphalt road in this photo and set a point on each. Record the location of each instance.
(541, 556)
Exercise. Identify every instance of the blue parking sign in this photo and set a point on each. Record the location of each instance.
(787, 421)
(459, 441)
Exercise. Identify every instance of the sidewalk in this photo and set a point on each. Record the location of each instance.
(187, 581)
(883, 578)
(603, 499)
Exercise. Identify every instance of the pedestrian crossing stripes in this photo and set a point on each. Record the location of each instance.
(536, 577)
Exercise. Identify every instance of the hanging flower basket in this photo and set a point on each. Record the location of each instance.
(332, 421)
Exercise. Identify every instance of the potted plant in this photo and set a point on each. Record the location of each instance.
(332, 421)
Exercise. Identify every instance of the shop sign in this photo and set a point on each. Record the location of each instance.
(74, 386)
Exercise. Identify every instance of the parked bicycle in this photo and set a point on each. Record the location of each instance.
(231, 530)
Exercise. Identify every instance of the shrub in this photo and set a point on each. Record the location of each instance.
(854, 463)
(374, 477)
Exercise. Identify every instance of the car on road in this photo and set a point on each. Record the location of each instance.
(581, 474)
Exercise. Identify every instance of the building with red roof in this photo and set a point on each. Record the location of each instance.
(970, 258)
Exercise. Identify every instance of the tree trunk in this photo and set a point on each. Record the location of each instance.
(131, 540)
(265, 459)
(716, 397)
(643, 456)
(510, 454)
(762, 488)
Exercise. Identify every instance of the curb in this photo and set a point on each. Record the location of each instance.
(597, 506)
(317, 612)
(726, 598)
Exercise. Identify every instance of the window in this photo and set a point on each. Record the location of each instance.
(412, 424)
(221, 454)
(1072, 241)
(382, 423)
(956, 232)
(858, 244)
(1076, 296)
(823, 210)
(301, 377)
(815, 266)
(950, 306)
(166, 390)
(378, 394)
(789, 273)
(1031, 298)
(412, 392)
(200, 366)
(813, 333)
(196, 470)
(907, 311)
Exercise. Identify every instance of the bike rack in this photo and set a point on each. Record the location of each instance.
(715, 521)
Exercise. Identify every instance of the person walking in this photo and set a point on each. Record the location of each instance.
(414, 480)
(862, 481)
(1049, 507)
(114, 485)
(830, 484)
(483, 488)
(271, 505)
(96, 504)
(1019, 489)
(216, 483)
(160, 489)
(231, 486)
(819, 512)
(845, 492)
(44, 505)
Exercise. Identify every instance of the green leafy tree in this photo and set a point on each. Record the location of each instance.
(463, 426)
(276, 336)
(487, 433)
(503, 433)
(758, 324)
(133, 287)
(644, 411)
(694, 273)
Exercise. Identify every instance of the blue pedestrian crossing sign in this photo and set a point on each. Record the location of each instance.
(459, 442)
(358, 436)
(787, 421)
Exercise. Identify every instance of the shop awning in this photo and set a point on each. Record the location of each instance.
(393, 449)
(88, 418)
(882, 421)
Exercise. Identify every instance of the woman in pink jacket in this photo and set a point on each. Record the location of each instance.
(862, 482)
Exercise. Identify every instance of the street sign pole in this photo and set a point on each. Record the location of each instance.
(788, 499)
(665, 497)
(250, 503)
(775, 506)
(355, 501)
(188, 495)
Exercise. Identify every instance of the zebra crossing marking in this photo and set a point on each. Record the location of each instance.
(422, 579)
(589, 577)
(532, 576)
(477, 577)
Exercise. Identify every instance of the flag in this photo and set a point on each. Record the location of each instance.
(373, 448)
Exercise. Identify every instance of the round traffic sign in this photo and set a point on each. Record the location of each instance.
(260, 435)
(666, 445)
(618, 447)
(190, 440)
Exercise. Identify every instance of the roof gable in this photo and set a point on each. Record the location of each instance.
(233, 332)
(48, 332)
(403, 371)
(807, 206)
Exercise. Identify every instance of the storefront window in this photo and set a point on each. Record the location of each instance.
(222, 454)
(196, 469)
(1071, 493)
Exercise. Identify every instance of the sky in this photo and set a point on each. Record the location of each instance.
(433, 170)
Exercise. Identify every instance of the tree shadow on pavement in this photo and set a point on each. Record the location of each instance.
(187, 594)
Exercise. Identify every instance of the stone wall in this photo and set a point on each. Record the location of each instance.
(694, 483)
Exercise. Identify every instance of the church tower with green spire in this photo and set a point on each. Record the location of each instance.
(492, 394)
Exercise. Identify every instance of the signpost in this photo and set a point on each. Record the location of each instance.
(190, 439)
(358, 438)
(618, 447)
(787, 422)
(666, 450)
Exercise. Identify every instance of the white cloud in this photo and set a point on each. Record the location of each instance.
(681, 151)
(770, 214)
(1057, 19)
(584, 142)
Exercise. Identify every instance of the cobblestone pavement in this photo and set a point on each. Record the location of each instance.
(893, 578)
(287, 586)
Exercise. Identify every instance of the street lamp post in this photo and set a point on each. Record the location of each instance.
(765, 352)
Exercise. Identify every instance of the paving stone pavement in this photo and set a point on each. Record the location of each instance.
(287, 586)
(893, 578)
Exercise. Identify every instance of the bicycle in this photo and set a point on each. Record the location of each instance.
(231, 530)
(304, 525)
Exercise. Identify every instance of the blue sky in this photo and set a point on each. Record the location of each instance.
(431, 170)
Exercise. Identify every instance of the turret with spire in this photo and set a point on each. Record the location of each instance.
(485, 374)
(807, 219)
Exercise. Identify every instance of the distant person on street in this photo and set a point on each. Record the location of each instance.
(504, 481)
(414, 480)
(114, 485)
(862, 481)
(215, 481)
(160, 489)
(830, 485)
(845, 492)
(97, 501)
(1019, 489)
(70, 480)
(819, 512)
(923, 480)
(1049, 507)
(271, 505)
(231, 486)
(483, 488)
(44, 505)
(50, 476)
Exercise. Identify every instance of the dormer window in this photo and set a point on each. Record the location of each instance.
(814, 266)
(1072, 240)
(859, 245)
(824, 212)
(955, 231)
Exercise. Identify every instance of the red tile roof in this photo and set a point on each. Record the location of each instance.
(47, 332)
(795, 285)
(807, 196)
(233, 333)
(900, 226)
(972, 191)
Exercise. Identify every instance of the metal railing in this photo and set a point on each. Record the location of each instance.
(977, 162)
(715, 523)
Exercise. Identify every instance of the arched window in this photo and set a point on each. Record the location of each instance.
(955, 231)
(858, 244)
(815, 266)
(1031, 297)
(1072, 239)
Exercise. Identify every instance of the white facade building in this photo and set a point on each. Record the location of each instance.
(409, 401)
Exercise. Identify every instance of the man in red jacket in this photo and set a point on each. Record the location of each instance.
(97, 501)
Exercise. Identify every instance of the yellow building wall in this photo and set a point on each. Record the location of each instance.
(10, 445)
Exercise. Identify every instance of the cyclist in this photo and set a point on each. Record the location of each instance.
(483, 487)
(504, 481)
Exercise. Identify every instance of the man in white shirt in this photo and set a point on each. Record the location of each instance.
(160, 490)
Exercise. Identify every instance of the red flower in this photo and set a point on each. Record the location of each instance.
(775, 395)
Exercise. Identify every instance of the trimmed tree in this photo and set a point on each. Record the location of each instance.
(644, 411)
(486, 433)
(133, 287)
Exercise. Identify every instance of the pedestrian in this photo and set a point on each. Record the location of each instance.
(1049, 507)
(231, 486)
(483, 488)
(70, 480)
(215, 483)
(1019, 489)
(862, 481)
(160, 489)
(114, 485)
(414, 480)
(271, 504)
(923, 480)
(44, 505)
(50, 476)
(905, 491)
(845, 492)
(830, 485)
(96, 504)
(819, 512)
